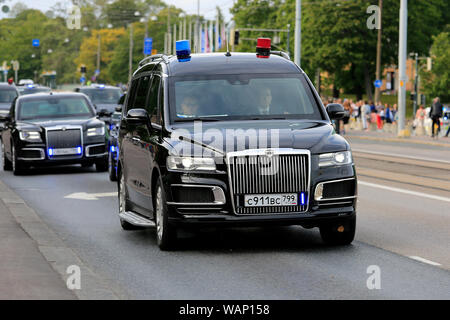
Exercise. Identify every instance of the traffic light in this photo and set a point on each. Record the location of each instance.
(83, 69)
(236, 38)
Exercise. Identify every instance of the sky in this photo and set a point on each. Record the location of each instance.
(207, 7)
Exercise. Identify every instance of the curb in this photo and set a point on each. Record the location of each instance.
(407, 140)
(56, 253)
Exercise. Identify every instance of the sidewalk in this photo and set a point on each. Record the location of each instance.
(392, 137)
(24, 272)
(34, 260)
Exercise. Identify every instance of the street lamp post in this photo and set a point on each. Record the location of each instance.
(298, 32)
(402, 67)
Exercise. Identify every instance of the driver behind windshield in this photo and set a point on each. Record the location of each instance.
(189, 107)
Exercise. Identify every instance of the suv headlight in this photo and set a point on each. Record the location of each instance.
(190, 164)
(31, 136)
(335, 159)
(100, 131)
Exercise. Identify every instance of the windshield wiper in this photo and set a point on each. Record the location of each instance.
(270, 118)
(206, 119)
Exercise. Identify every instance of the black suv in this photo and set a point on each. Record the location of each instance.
(232, 140)
(7, 95)
(53, 129)
(105, 99)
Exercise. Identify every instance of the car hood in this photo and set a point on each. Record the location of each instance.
(41, 125)
(111, 108)
(223, 137)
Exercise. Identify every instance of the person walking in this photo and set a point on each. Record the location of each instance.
(435, 115)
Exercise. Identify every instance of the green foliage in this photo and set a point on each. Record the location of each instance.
(335, 37)
(436, 83)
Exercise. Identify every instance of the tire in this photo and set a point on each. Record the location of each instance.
(101, 165)
(7, 165)
(18, 167)
(331, 236)
(112, 169)
(123, 207)
(166, 233)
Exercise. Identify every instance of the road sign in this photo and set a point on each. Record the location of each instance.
(83, 79)
(16, 65)
(97, 72)
(148, 46)
(36, 43)
(378, 83)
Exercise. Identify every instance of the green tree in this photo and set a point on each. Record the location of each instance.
(436, 83)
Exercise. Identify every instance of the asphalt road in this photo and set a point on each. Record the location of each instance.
(398, 224)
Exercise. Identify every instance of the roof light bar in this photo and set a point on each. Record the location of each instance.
(183, 49)
(263, 47)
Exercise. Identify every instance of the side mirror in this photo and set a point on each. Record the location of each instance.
(335, 111)
(119, 109)
(138, 116)
(103, 113)
(121, 101)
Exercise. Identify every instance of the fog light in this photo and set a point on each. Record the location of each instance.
(340, 229)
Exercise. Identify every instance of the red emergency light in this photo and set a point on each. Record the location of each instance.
(263, 47)
(10, 81)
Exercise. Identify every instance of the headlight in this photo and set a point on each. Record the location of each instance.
(100, 131)
(32, 136)
(190, 164)
(335, 159)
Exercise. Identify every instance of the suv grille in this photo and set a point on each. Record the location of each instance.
(262, 174)
(59, 139)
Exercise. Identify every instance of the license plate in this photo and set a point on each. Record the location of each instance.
(65, 152)
(271, 200)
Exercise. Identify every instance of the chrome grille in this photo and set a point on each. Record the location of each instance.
(282, 171)
(70, 138)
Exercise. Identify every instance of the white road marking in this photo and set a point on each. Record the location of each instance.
(414, 193)
(399, 156)
(425, 260)
(90, 196)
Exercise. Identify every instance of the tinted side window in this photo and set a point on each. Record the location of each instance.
(132, 92)
(152, 105)
(142, 92)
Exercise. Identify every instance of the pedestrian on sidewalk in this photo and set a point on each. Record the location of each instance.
(435, 115)
(365, 114)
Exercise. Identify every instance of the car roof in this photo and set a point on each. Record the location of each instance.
(237, 63)
(52, 94)
(96, 87)
(4, 85)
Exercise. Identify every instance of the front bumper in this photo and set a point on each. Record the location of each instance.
(217, 209)
(37, 155)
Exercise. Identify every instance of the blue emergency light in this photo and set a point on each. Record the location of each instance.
(30, 86)
(183, 49)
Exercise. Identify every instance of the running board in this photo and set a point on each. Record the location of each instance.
(137, 220)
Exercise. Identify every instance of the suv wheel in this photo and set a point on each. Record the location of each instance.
(123, 207)
(166, 234)
(17, 166)
(339, 234)
(112, 169)
(7, 165)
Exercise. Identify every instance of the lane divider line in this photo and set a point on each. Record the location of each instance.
(414, 193)
(425, 261)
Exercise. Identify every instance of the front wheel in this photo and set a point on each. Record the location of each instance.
(7, 165)
(166, 233)
(339, 234)
(123, 207)
(18, 167)
(112, 168)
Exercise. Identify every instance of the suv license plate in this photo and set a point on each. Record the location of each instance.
(271, 200)
(65, 152)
